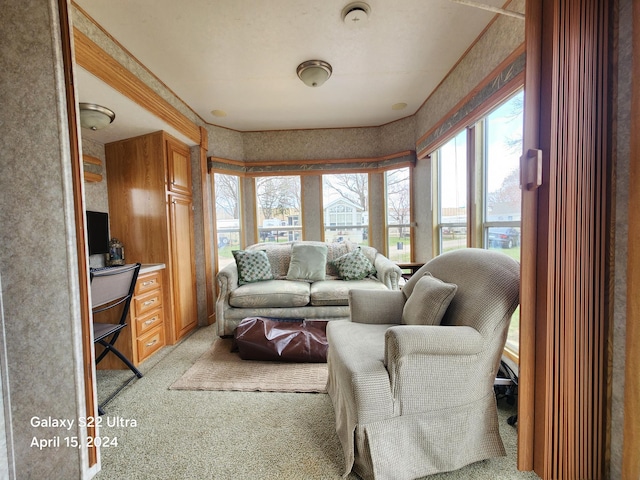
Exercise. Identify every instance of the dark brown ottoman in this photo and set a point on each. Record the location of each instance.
(260, 338)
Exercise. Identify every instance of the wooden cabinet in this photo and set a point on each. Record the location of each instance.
(147, 316)
(151, 213)
(179, 164)
(145, 332)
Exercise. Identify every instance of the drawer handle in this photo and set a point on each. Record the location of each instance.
(148, 282)
(150, 344)
(149, 302)
(151, 320)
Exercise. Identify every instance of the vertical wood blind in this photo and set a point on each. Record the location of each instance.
(573, 215)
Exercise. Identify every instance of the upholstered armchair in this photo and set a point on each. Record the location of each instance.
(412, 387)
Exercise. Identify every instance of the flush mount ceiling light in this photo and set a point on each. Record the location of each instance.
(94, 116)
(314, 73)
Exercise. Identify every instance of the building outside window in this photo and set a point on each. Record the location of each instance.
(345, 207)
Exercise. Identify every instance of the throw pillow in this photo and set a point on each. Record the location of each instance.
(308, 262)
(428, 302)
(253, 266)
(354, 265)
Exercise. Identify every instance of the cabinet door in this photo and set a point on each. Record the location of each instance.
(183, 268)
(179, 166)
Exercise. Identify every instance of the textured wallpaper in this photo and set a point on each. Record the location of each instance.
(500, 40)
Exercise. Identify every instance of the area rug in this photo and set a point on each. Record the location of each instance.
(221, 369)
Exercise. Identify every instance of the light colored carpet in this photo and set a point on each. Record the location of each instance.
(226, 435)
(221, 369)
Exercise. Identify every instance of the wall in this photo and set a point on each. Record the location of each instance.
(38, 262)
(625, 59)
(498, 42)
(95, 193)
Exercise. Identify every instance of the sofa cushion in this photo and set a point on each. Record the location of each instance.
(336, 292)
(428, 302)
(253, 266)
(336, 250)
(354, 265)
(308, 262)
(271, 294)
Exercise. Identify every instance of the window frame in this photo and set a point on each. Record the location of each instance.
(411, 223)
(477, 188)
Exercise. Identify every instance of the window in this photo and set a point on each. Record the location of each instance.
(452, 193)
(278, 208)
(502, 196)
(398, 205)
(345, 207)
(228, 221)
(494, 162)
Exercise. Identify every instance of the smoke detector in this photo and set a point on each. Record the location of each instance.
(356, 13)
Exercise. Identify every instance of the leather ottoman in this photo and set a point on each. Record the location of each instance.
(261, 338)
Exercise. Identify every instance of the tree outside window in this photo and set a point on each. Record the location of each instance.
(278, 208)
(228, 218)
(398, 205)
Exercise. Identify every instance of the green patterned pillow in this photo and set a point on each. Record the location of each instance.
(354, 265)
(253, 266)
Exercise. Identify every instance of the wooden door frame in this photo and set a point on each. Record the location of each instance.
(91, 409)
(631, 433)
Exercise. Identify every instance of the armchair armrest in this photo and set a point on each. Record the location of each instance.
(376, 306)
(434, 367)
(404, 340)
(388, 272)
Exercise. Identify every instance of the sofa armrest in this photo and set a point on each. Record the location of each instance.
(227, 280)
(388, 272)
(376, 306)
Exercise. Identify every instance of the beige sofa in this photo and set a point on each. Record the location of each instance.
(411, 375)
(283, 297)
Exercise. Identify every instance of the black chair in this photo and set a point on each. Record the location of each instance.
(112, 290)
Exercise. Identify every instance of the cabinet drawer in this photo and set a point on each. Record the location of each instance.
(147, 302)
(148, 282)
(150, 320)
(150, 343)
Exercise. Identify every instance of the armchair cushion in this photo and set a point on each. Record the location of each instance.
(428, 302)
(253, 266)
(308, 262)
(354, 265)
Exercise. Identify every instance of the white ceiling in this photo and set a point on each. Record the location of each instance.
(240, 56)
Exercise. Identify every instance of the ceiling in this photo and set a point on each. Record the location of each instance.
(240, 57)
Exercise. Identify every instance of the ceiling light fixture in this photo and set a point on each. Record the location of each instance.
(94, 116)
(314, 73)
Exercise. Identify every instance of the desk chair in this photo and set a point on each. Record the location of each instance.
(111, 290)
